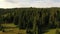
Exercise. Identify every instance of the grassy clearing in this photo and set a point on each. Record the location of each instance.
(51, 31)
(12, 30)
(9, 25)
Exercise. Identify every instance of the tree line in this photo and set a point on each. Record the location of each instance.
(36, 19)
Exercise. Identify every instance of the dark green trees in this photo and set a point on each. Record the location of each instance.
(36, 20)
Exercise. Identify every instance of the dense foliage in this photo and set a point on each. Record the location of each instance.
(32, 18)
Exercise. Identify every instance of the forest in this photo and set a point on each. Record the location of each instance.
(33, 20)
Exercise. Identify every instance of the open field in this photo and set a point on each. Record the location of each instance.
(52, 31)
(12, 30)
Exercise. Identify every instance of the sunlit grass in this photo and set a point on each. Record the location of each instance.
(51, 31)
(12, 30)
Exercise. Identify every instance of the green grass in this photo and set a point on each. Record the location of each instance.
(9, 25)
(12, 30)
(51, 31)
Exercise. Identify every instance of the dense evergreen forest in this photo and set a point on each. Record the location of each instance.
(34, 20)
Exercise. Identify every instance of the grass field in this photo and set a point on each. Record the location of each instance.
(52, 31)
(12, 30)
(16, 30)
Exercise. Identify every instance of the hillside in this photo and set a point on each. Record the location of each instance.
(32, 20)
